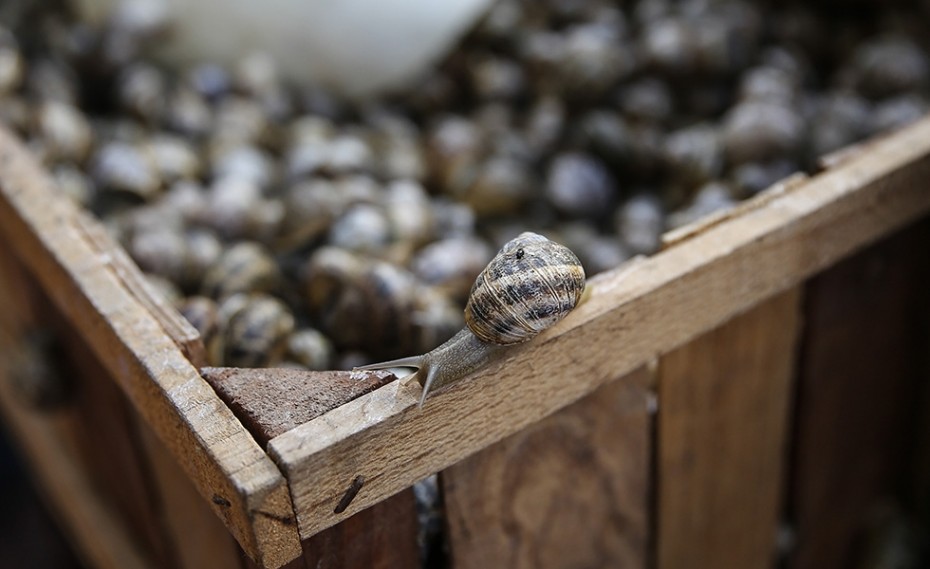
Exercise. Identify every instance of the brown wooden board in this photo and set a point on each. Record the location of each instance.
(102, 536)
(93, 418)
(105, 432)
(571, 491)
(381, 537)
(175, 326)
(863, 369)
(723, 438)
(270, 402)
(198, 537)
(229, 469)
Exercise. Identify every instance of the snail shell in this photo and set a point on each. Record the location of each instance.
(531, 284)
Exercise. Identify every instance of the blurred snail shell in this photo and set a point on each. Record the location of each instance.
(530, 284)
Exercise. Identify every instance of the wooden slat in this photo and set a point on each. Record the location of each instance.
(723, 438)
(270, 402)
(226, 464)
(100, 535)
(101, 538)
(131, 473)
(571, 491)
(658, 305)
(176, 326)
(859, 399)
(381, 537)
(199, 539)
(690, 231)
(104, 431)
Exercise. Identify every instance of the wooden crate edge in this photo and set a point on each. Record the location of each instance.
(243, 485)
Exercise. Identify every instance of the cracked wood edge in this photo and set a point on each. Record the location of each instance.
(243, 486)
(630, 317)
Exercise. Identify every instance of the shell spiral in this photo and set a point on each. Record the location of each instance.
(531, 284)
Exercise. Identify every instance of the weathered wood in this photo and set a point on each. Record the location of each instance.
(661, 303)
(570, 491)
(381, 537)
(270, 402)
(702, 224)
(226, 464)
(104, 432)
(131, 473)
(102, 537)
(863, 369)
(176, 326)
(724, 410)
(198, 538)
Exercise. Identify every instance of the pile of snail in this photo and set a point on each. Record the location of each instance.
(279, 217)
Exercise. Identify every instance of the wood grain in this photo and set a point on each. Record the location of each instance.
(176, 326)
(381, 537)
(570, 491)
(199, 539)
(270, 402)
(859, 399)
(130, 473)
(652, 308)
(691, 230)
(722, 440)
(228, 467)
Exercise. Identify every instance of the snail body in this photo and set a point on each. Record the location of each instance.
(530, 284)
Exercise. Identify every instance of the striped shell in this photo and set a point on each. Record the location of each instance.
(530, 285)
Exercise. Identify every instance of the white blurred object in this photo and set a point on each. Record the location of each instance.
(358, 47)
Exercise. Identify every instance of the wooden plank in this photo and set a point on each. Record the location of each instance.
(722, 440)
(176, 326)
(226, 464)
(661, 303)
(681, 234)
(199, 538)
(270, 402)
(570, 491)
(100, 536)
(859, 396)
(298, 563)
(103, 429)
(381, 537)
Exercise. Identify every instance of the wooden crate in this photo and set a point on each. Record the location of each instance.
(749, 396)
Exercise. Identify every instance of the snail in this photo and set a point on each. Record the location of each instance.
(530, 284)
